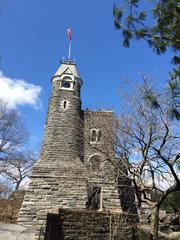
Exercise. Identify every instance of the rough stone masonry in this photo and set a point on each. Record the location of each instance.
(74, 171)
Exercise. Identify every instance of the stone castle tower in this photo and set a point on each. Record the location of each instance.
(74, 171)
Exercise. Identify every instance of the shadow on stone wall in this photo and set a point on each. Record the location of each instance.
(54, 229)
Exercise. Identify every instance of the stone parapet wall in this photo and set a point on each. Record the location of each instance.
(87, 225)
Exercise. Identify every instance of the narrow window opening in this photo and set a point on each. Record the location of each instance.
(99, 134)
(64, 104)
(93, 135)
(94, 197)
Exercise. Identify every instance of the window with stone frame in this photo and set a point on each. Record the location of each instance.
(64, 104)
(94, 197)
(95, 135)
(95, 163)
(67, 83)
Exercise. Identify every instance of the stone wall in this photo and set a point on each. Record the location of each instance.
(9, 208)
(102, 120)
(87, 225)
(47, 194)
(103, 175)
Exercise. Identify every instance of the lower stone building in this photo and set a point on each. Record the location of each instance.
(76, 169)
(9, 208)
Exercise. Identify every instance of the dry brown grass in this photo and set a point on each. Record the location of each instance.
(174, 235)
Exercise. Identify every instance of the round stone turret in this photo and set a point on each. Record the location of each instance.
(63, 133)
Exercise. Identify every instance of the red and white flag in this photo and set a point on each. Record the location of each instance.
(69, 33)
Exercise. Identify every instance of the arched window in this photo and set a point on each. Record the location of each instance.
(95, 135)
(95, 163)
(66, 82)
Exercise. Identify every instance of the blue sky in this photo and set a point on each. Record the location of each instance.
(33, 41)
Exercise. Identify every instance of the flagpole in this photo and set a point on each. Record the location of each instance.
(69, 35)
(69, 52)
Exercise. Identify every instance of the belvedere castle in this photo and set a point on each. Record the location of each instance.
(74, 185)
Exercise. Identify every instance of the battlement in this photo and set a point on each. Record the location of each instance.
(101, 112)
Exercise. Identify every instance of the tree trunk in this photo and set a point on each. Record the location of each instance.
(154, 222)
(17, 186)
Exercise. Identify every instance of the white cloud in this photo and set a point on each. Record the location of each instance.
(18, 92)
